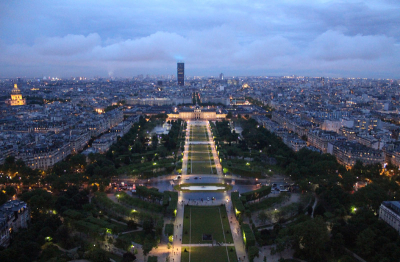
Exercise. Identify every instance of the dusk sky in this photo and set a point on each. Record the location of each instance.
(125, 38)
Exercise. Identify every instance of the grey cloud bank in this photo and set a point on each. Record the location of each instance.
(69, 38)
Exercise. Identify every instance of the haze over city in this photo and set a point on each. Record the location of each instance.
(126, 38)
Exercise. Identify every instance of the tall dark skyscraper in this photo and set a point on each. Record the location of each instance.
(181, 74)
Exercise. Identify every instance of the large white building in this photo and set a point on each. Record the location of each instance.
(390, 213)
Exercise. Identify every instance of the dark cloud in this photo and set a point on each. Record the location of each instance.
(240, 37)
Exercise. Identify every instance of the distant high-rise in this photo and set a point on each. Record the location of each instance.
(181, 74)
(221, 76)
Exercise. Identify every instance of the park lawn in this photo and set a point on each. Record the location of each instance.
(205, 220)
(200, 156)
(201, 167)
(200, 152)
(199, 137)
(197, 148)
(215, 254)
(137, 237)
(198, 134)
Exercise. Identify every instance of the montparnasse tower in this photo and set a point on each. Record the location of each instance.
(16, 97)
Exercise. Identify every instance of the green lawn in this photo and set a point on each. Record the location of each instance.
(199, 220)
(137, 237)
(199, 137)
(199, 148)
(215, 254)
(198, 133)
(200, 156)
(201, 167)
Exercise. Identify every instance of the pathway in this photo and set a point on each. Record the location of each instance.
(236, 233)
(214, 151)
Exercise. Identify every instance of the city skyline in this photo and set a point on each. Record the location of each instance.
(331, 39)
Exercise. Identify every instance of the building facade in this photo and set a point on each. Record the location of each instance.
(14, 215)
(389, 212)
(347, 153)
(198, 113)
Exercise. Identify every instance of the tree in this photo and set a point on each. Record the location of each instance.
(128, 257)
(61, 168)
(366, 242)
(372, 195)
(62, 235)
(148, 226)
(94, 188)
(147, 247)
(229, 115)
(154, 141)
(310, 238)
(49, 252)
(78, 161)
(9, 160)
(97, 255)
(348, 181)
(262, 217)
(39, 201)
(10, 191)
(253, 252)
(3, 198)
(337, 244)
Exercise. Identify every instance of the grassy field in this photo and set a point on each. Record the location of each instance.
(215, 254)
(138, 237)
(198, 133)
(199, 148)
(200, 156)
(201, 167)
(199, 220)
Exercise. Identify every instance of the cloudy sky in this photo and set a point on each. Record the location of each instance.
(237, 37)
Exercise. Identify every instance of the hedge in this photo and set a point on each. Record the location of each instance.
(253, 252)
(237, 204)
(152, 259)
(257, 194)
(248, 236)
(243, 172)
(172, 203)
(88, 228)
(169, 229)
(72, 214)
(151, 193)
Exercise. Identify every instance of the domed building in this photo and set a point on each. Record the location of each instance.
(16, 97)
